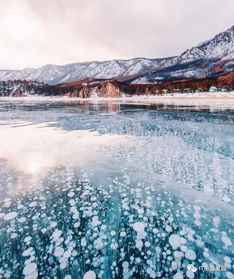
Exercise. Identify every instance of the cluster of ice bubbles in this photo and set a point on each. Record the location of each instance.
(72, 228)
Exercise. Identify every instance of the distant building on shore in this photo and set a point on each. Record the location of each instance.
(213, 89)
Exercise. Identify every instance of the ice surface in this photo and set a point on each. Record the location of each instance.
(138, 191)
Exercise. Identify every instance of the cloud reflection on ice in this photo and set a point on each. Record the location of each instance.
(35, 149)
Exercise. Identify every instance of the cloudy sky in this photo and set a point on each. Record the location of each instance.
(38, 32)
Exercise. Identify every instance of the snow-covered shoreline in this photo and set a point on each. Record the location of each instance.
(198, 95)
(219, 100)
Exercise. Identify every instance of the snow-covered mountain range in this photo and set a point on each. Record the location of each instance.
(211, 58)
(53, 74)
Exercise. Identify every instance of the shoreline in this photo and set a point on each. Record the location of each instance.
(200, 95)
(205, 100)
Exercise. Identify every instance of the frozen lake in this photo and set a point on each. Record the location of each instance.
(116, 189)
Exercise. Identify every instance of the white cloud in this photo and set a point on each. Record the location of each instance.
(37, 32)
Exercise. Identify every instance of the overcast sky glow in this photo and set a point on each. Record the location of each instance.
(38, 32)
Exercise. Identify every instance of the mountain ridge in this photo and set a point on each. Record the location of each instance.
(209, 59)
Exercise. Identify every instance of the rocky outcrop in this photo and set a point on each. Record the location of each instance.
(109, 90)
(103, 89)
